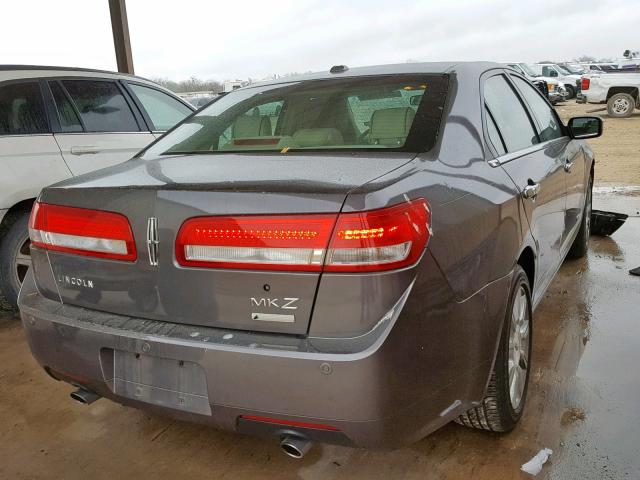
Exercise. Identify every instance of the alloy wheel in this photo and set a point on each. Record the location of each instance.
(22, 261)
(518, 360)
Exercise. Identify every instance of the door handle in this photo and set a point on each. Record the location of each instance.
(531, 191)
(567, 166)
(84, 150)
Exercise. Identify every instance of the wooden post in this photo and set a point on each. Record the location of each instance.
(121, 41)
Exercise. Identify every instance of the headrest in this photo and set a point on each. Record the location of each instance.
(317, 137)
(251, 126)
(391, 126)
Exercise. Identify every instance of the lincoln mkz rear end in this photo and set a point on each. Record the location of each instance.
(320, 259)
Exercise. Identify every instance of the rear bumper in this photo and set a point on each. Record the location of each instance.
(374, 391)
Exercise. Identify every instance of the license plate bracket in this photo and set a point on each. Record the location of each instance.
(165, 382)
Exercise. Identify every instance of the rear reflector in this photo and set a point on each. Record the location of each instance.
(585, 84)
(382, 239)
(288, 423)
(81, 231)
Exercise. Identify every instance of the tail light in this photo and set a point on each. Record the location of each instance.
(82, 231)
(382, 239)
(585, 84)
(288, 242)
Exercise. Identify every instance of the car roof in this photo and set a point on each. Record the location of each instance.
(463, 68)
(15, 72)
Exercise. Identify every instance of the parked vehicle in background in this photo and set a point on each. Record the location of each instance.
(349, 257)
(600, 68)
(56, 123)
(618, 90)
(198, 99)
(199, 102)
(630, 60)
(555, 91)
(570, 80)
(574, 68)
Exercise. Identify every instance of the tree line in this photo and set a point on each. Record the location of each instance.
(193, 84)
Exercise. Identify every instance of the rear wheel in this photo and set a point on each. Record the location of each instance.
(15, 257)
(502, 406)
(621, 105)
(580, 245)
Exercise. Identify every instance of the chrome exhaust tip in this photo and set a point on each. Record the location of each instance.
(85, 396)
(295, 447)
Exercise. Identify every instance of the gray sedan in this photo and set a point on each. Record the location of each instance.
(350, 257)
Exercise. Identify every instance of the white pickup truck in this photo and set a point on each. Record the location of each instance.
(618, 90)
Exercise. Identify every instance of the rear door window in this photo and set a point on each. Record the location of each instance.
(550, 127)
(509, 114)
(163, 110)
(101, 105)
(22, 109)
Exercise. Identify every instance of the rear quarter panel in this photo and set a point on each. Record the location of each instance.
(29, 163)
(451, 322)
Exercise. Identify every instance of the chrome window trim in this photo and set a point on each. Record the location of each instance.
(508, 157)
(143, 132)
(14, 135)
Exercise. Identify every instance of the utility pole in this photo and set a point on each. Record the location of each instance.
(121, 41)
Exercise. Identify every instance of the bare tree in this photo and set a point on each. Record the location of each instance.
(193, 84)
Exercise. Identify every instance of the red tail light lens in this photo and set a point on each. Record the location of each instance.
(584, 85)
(287, 242)
(379, 239)
(82, 231)
(375, 240)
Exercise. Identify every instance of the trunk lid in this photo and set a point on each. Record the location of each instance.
(174, 189)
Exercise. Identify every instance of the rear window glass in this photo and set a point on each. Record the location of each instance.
(391, 112)
(101, 105)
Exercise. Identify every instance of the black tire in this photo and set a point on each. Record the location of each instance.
(571, 91)
(14, 247)
(580, 244)
(496, 411)
(621, 105)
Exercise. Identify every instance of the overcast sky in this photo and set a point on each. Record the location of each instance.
(224, 39)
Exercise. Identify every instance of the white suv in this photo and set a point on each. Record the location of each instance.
(56, 123)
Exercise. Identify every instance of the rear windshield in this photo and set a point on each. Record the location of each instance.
(391, 112)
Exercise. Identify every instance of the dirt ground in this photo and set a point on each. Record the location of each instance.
(617, 152)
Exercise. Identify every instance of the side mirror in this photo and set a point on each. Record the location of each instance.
(585, 127)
